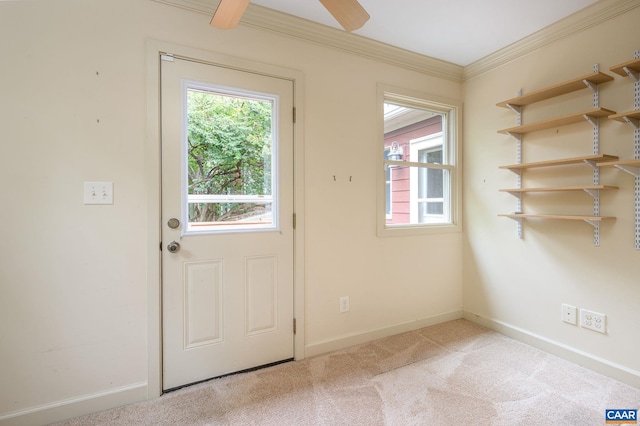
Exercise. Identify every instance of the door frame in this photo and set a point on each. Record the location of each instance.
(154, 49)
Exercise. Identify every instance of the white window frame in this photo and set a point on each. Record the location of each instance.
(451, 134)
(388, 187)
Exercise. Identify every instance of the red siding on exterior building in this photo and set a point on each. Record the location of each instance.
(400, 185)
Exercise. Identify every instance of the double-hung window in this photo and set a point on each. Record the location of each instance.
(419, 155)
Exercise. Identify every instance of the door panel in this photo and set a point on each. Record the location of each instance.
(228, 291)
(203, 303)
(261, 294)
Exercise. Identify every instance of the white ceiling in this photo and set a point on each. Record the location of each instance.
(456, 31)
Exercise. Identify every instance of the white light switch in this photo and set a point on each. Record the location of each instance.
(98, 192)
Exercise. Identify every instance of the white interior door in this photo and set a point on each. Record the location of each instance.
(227, 220)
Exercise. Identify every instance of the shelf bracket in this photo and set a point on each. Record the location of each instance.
(590, 85)
(515, 108)
(593, 164)
(592, 120)
(518, 223)
(634, 171)
(596, 231)
(593, 192)
(633, 121)
(635, 75)
(518, 136)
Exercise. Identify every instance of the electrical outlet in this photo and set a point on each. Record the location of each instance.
(98, 192)
(593, 321)
(569, 314)
(344, 304)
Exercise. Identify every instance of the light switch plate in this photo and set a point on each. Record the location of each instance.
(344, 304)
(98, 192)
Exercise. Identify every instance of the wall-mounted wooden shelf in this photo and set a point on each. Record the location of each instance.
(630, 166)
(632, 65)
(559, 121)
(585, 159)
(569, 86)
(585, 188)
(631, 69)
(557, 216)
(591, 116)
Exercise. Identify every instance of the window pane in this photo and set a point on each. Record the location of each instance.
(404, 125)
(229, 215)
(421, 178)
(432, 155)
(229, 158)
(415, 195)
(419, 195)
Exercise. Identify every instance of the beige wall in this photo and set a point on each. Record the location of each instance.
(522, 283)
(74, 283)
(74, 287)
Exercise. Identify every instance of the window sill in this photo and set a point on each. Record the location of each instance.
(416, 230)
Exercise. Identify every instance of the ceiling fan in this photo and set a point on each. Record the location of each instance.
(349, 13)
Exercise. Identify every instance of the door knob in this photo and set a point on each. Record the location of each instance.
(173, 247)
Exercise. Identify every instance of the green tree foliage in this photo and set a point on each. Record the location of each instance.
(229, 151)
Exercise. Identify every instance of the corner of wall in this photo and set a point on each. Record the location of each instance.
(610, 369)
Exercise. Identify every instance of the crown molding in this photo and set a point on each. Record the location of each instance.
(284, 24)
(270, 20)
(207, 7)
(288, 25)
(595, 14)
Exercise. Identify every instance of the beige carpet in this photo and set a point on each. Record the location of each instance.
(456, 373)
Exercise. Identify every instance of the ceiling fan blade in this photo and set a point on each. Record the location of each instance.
(228, 13)
(349, 13)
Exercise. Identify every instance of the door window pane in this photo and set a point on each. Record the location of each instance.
(229, 161)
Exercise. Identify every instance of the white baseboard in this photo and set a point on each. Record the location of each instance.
(86, 404)
(600, 365)
(74, 407)
(368, 336)
(60, 410)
